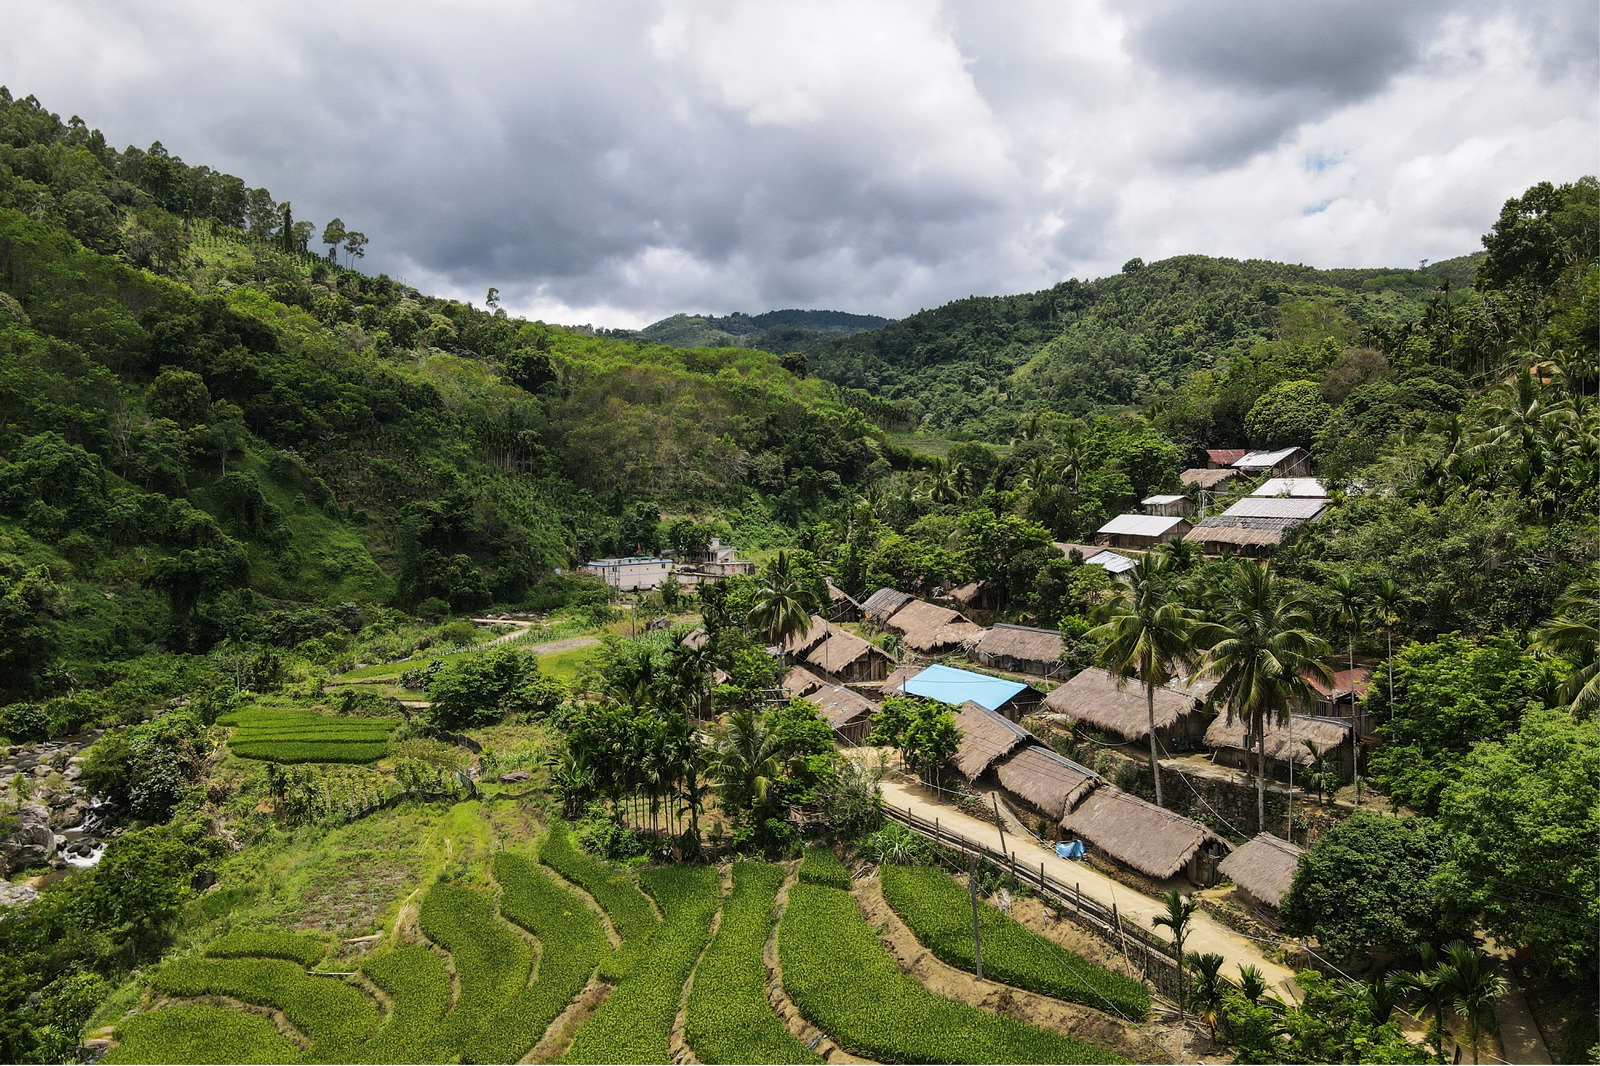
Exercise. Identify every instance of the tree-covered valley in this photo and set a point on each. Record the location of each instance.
(291, 616)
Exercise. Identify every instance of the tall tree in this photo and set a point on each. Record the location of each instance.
(1176, 920)
(1148, 634)
(333, 237)
(782, 606)
(1261, 653)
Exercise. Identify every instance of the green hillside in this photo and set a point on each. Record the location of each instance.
(781, 332)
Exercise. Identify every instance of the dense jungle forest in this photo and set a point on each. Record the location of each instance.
(252, 498)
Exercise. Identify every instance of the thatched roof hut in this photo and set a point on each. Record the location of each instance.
(1049, 783)
(799, 643)
(1263, 868)
(1247, 536)
(985, 738)
(1094, 698)
(802, 682)
(881, 605)
(1152, 840)
(848, 712)
(1200, 477)
(1283, 742)
(1034, 651)
(841, 606)
(927, 627)
(846, 655)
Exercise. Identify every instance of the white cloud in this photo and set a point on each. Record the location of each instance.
(614, 162)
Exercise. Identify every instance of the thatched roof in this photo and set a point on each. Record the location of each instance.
(802, 682)
(1052, 783)
(837, 596)
(1325, 733)
(881, 605)
(1154, 841)
(1093, 698)
(1264, 868)
(696, 638)
(968, 594)
(841, 706)
(895, 683)
(1203, 478)
(985, 737)
(928, 627)
(1241, 532)
(1021, 642)
(816, 633)
(841, 649)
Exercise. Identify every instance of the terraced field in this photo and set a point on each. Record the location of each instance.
(498, 955)
(295, 736)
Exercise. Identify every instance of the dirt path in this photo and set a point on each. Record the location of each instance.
(551, 647)
(1205, 934)
(1521, 1042)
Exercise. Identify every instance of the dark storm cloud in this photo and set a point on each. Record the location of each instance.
(1280, 64)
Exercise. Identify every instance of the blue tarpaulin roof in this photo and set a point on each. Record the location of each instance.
(955, 687)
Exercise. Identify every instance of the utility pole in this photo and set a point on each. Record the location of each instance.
(999, 823)
(972, 887)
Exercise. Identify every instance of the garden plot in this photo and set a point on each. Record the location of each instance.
(296, 736)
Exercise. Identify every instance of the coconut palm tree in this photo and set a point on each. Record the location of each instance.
(1147, 633)
(1574, 634)
(1261, 653)
(1179, 911)
(782, 607)
(748, 760)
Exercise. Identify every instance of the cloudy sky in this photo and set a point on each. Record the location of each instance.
(614, 162)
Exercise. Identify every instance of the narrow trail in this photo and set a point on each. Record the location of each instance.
(1205, 934)
(1521, 1041)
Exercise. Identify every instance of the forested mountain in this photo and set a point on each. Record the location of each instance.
(780, 332)
(982, 365)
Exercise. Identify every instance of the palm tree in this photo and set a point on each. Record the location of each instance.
(1424, 987)
(1574, 634)
(1469, 989)
(749, 760)
(1261, 654)
(1390, 598)
(781, 608)
(1179, 910)
(1206, 995)
(1146, 633)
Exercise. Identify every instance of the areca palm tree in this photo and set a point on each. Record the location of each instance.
(1389, 598)
(1147, 633)
(1469, 989)
(1424, 988)
(1179, 910)
(1574, 634)
(749, 760)
(1261, 652)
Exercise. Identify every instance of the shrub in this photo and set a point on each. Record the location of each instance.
(821, 866)
(633, 1025)
(843, 980)
(938, 911)
(730, 1019)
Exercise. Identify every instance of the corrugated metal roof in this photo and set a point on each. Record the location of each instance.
(1292, 486)
(1155, 501)
(1138, 525)
(1113, 562)
(1225, 456)
(955, 687)
(1276, 507)
(1264, 460)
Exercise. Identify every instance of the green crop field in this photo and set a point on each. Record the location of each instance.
(937, 909)
(492, 963)
(821, 866)
(844, 981)
(291, 736)
(268, 944)
(615, 890)
(730, 1019)
(633, 1025)
(418, 986)
(200, 1034)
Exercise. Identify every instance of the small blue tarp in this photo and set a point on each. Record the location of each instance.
(1070, 850)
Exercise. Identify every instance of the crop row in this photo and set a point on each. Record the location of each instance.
(334, 1016)
(615, 890)
(730, 1019)
(820, 866)
(418, 986)
(938, 911)
(200, 1034)
(844, 981)
(299, 751)
(492, 963)
(273, 719)
(571, 947)
(634, 1024)
(268, 944)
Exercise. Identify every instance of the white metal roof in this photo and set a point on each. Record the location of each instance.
(1139, 525)
(1276, 507)
(1308, 487)
(1263, 460)
(1112, 561)
(1156, 501)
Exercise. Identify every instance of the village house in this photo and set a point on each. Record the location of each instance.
(1341, 699)
(1021, 649)
(1256, 525)
(846, 711)
(838, 654)
(1147, 839)
(841, 607)
(1278, 462)
(1169, 505)
(986, 738)
(1028, 772)
(947, 684)
(1224, 458)
(1206, 477)
(1097, 700)
(923, 627)
(1141, 531)
(717, 560)
(1262, 871)
(632, 573)
(1285, 743)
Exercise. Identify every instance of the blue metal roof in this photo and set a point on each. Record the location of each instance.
(949, 685)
